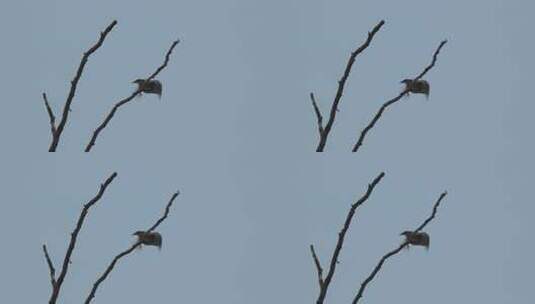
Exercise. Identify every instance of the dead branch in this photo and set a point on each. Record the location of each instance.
(57, 130)
(318, 266)
(318, 113)
(50, 115)
(50, 267)
(395, 251)
(341, 236)
(127, 99)
(66, 261)
(340, 91)
(127, 251)
(395, 99)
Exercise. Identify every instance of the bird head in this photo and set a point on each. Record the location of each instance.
(139, 81)
(406, 233)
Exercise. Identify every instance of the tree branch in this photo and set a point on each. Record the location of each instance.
(395, 99)
(50, 115)
(126, 252)
(341, 237)
(74, 83)
(395, 251)
(341, 84)
(166, 212)
(318, 114)
(318, 266)
(66, 261)
(50, 267)
(127, 99)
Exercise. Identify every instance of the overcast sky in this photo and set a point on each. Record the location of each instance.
(236, 133)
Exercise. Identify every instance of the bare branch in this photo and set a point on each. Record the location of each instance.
(341, 84)
(395, 99)
(341, 237)
(50, 115)
(318, 114)
(166, 212)
(126, 252)
(432, 216)
(394, 252)
(127, 99)
(318, 266)
(74, 83)
(74, 235)
(50, 267)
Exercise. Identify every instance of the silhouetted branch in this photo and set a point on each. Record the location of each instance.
(395, 99)
(318, 113)
(127, 99)
(395, 251)
(50, 267)
(318, 266)
(127, 251)
(341, 84)
(166, 212)
(56, 134)
(50, 115)
(341, 235)
(66, 261)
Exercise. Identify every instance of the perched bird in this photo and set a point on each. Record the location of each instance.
(417, 87)
(149, 238)
(416, 238)
(149, 87)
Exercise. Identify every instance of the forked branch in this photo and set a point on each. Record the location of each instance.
(127, 99)
(56, 286)
(110, 267)
(395, 99)
(395, 251)
(50, 267)
(57, 130)
(324, 134)
(324, 286)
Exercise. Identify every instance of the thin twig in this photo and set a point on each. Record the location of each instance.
(50, 115)
(318, 266)
(66, 261)
(341, 84)
(341, 237)
(166, 212)
(50, 267)
(126, 252)
(395, 99)
(127, 99)
(318, 114)
(395, 251)
(74, 83)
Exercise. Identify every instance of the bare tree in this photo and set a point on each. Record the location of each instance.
(324, 131)
(57, 282)
(324, 283)
(57, 130)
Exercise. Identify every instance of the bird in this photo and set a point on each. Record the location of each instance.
(416, 238)
(419, 86)
(149, 238)
(150, 87)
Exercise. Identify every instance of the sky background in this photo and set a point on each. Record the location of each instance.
(236, 133)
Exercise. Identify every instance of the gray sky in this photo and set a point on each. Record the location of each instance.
(235, 132)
